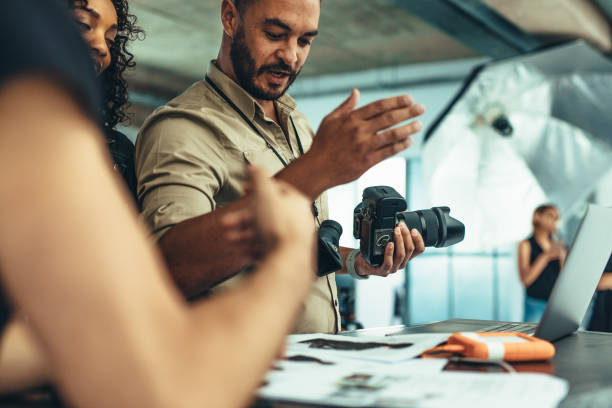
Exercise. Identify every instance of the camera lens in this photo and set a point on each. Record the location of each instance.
(436, 226)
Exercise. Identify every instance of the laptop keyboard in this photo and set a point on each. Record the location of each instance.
(527, 328)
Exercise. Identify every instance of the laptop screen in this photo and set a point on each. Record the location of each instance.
(578, 280)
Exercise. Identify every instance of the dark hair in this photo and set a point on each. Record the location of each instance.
(114, 85)
(544, 207)
(241, 5)
(541, 209)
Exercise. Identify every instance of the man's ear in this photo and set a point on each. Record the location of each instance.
(229, 17)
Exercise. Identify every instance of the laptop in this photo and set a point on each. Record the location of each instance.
(571, 294)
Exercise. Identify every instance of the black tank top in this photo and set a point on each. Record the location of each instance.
(122, 150)
(542, 286)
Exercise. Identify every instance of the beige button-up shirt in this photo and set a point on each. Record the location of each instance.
(190, 157)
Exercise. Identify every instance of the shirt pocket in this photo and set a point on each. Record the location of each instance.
(265, 159)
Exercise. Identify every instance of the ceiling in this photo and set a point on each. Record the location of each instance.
(182, 36)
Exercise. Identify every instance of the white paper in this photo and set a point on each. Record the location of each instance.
(404, 385)
(385, 354)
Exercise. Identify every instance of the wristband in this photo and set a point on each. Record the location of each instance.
(350, 265)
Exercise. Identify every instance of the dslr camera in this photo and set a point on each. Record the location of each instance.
(375, 218)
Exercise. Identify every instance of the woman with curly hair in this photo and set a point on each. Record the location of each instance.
(107, 28)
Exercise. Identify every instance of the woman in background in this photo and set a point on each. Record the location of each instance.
(540, 259)
(107, 28)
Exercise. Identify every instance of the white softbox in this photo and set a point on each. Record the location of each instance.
(522, 132)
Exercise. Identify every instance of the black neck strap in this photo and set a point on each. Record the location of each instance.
(252, 125)
(315, 210)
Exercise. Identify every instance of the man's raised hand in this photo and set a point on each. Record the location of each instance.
(350, 141)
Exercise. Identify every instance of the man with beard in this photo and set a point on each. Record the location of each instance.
(190, 154)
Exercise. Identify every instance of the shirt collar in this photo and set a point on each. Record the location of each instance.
(241, 98)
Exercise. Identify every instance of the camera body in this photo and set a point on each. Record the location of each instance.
(382, 208)
(374, 220)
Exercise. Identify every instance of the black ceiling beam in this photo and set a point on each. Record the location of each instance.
(474, 24)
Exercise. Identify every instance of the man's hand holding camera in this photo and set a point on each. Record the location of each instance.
(389, 236)
(407, 245)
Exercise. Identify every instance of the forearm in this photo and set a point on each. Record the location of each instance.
(344, 252)
(197, 254)
(308, 175)
(246, 327)
(605, 283)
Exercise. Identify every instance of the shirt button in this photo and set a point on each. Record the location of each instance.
(335, 302)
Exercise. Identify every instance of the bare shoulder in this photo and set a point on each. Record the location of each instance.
(524, 247)
(51, 122)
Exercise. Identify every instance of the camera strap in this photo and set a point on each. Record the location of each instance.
(258, 132)
(252, 125)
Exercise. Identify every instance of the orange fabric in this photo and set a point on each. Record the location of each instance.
(459, 344)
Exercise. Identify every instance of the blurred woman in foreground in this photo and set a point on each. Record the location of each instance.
(106, 325)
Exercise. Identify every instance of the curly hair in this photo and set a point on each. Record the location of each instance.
(114, 85)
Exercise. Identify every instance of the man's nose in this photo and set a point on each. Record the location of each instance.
(289, 54)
